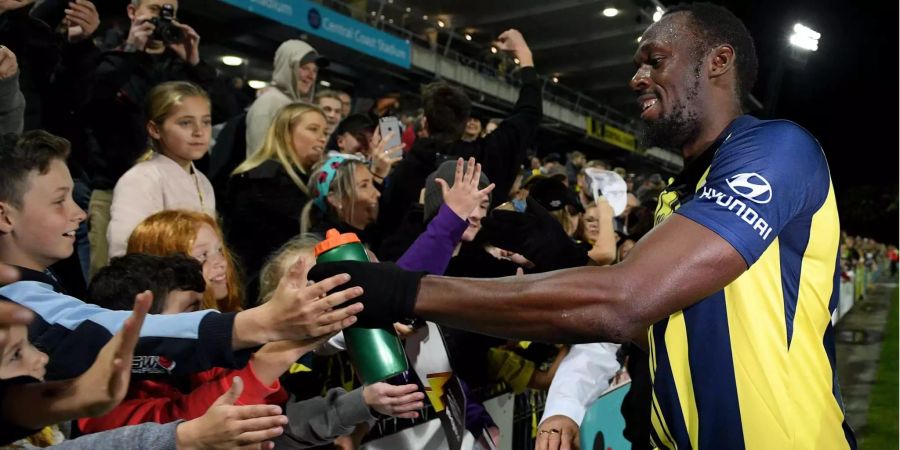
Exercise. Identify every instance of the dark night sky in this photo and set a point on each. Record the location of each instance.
(845, 94)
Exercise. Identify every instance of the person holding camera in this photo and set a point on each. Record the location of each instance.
(155, 29)
(159, 48)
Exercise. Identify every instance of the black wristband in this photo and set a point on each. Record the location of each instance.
(389, 292)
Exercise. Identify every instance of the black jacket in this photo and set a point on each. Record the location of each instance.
(54, 78)
(261, 211)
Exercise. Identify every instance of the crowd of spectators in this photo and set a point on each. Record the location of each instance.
(133, 177)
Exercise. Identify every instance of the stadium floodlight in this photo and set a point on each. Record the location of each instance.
(805, 38)
(257, 84)
(232, 60)
(610, 12)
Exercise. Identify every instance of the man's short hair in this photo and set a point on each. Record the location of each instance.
(355, 124)
(115, 286)
(447, 108)
(327, 93)
(715, 25)
(20, 155)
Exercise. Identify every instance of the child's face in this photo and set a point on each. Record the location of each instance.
(208, 250)
(42, 231)
(185, 134)
(180, 301)
(20, 358)
(475, 222)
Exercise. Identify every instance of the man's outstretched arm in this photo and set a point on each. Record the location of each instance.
(671, 268)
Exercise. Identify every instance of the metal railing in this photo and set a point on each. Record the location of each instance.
(504, 68)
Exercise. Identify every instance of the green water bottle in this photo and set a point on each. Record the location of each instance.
(376, 353)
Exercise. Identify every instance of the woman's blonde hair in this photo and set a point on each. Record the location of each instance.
(569, 222)
(164, 97)
(278, 144)
(281, 260)
(342, 188)
(174, 231)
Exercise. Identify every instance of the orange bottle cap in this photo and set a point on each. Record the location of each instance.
(334, 238)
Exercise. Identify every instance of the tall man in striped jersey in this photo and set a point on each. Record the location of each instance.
(733, 289)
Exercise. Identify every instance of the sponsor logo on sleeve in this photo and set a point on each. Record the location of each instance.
(151, 364)
(750, 186)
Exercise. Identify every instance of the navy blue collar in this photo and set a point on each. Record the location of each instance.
(42, 277)
(684, 184)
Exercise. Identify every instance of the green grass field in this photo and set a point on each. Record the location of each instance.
(881, 431)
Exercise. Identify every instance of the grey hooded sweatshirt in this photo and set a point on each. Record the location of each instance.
(283, 91)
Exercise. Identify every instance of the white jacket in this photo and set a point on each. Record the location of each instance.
(152, 186)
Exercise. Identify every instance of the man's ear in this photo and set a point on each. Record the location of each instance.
(721, 61)
(132, 11)
(7, 219)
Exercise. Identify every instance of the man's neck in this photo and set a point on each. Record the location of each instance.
(710, 130)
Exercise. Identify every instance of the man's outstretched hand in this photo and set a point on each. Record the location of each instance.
(389, 292)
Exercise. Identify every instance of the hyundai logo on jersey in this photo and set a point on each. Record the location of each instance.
(751, 186)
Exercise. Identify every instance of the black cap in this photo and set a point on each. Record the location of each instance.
(355, 123)
(552, 157)
(434, 196)
(553, 195)
(315, 57)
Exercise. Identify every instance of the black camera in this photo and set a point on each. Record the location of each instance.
(166, 31)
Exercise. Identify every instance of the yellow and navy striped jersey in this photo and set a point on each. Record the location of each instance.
(753, 365)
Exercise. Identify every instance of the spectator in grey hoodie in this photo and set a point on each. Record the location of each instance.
(293, 80)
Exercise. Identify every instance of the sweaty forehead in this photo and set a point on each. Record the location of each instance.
(672, 29)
